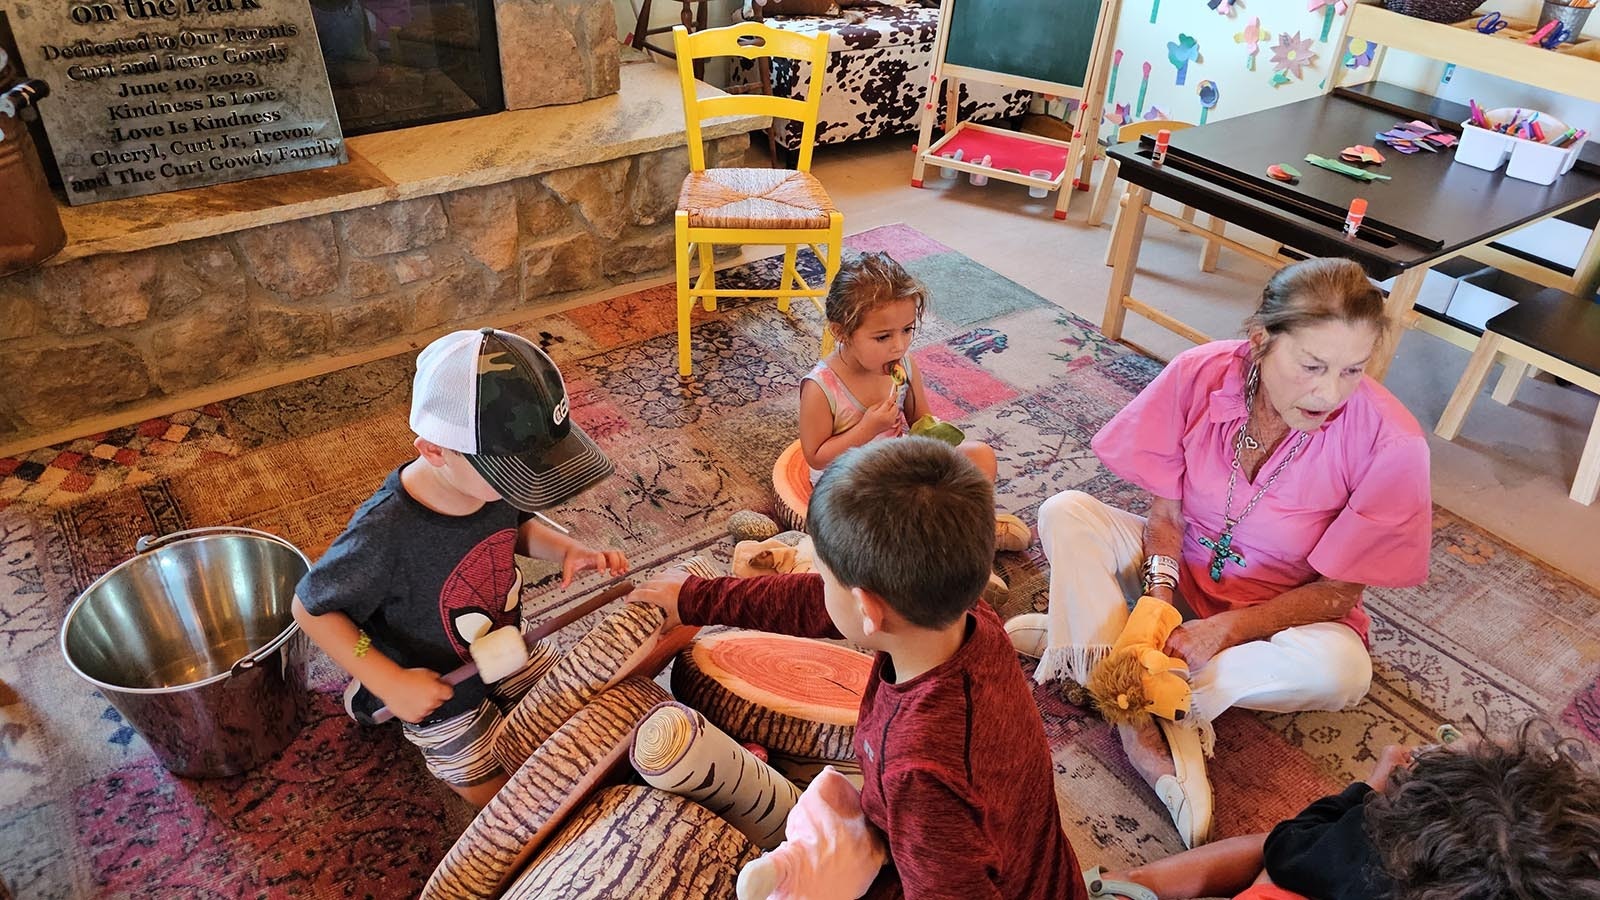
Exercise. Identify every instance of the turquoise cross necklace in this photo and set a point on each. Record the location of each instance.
(1222, 551)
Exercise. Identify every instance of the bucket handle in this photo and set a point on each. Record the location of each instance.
(149, 542)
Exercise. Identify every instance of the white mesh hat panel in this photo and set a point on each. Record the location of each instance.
(444, 394)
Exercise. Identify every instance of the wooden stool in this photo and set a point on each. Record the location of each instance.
(694, 20)
(1552, 331)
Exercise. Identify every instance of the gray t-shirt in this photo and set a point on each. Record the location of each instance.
(421, 583)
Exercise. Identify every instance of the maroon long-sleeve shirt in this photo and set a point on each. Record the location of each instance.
(957, 771)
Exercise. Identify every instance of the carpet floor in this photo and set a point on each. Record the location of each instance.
(86, 811)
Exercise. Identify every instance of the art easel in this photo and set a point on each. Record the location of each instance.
(1018, 152)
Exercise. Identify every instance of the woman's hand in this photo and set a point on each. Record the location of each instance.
(1198, 640)
(580, 558)
(662, 592)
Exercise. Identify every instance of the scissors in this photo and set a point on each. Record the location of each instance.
(1555, 38)
(1491, 23)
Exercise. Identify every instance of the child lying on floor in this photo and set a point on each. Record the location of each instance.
(1462, 822)
(953, 755)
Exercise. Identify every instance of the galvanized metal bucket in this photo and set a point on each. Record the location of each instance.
(194, 641)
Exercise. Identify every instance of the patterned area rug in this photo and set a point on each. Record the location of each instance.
(86, 811)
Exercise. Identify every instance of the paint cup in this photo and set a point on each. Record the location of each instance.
(947, 172)
(1035, 191)
(1572, 18)
(977, 179)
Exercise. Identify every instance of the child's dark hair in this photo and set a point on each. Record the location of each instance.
(910, 520)
(865, 281)
(1492, 821)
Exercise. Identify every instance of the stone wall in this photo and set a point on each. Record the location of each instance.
(102, 334)
(556, 51)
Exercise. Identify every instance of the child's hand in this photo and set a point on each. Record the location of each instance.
(414, 694)
(580, 558)
(1393, 757)
(881, 417)
(662, 591)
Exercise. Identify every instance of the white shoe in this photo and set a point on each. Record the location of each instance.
(1030, 634)
(1011, 534)
(1187, 795)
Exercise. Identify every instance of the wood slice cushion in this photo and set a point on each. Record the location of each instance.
(791, 695)
(556, 779)
(638, 843)
(677, 750)
(791, 481)
(628, 641)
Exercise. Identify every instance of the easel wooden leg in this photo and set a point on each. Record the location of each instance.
(1401, 298)
(1455, 411)
(1208, 256)
(1125, 241)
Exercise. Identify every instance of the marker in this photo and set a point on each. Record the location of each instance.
(1352, 220)
(1163, 137)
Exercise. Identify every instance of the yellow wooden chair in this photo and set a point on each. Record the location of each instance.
(751, 206)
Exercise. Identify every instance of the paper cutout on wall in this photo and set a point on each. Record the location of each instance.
(1181, 52)
(1154, 113)
(1279, 79)
(1111, 89)
(1144, 84)
(1292, 55)
(1208, 98)
(1155, 10)
(1224, 7)
(1120, 114)
(1354, 60)
(1329, 8)
(1252, 36)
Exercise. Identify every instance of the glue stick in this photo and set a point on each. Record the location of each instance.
(981, 180)
(1352, 220)
(1163, 137)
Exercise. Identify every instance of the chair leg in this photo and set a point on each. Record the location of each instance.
(1586, 484)
(830, 268)
(685, 298)
(789, 277)
(1102, 194)
(1505, 390)
(708, 272)
(1208, 256)
(1455, 412)
(1123, 249)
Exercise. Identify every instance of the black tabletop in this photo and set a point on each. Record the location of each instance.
(1432, 206)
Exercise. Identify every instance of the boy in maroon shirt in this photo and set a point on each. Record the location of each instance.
(956, 769)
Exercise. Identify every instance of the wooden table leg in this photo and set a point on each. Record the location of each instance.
(1586, 277)
(1125, 242)
(1401, 298)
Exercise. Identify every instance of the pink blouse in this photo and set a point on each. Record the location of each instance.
(1354, 505)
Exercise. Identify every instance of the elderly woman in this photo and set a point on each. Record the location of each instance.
(1283, 482)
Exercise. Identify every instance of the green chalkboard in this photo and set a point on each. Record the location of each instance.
(1049, 40)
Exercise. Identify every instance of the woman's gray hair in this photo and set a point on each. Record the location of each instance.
(1313, 291)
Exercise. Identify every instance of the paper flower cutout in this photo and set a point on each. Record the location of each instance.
(1181, 52)
(1252, 36)
(1223, 7)
(1292, 55)
(1154, 113)
(1354, 60)
(1120, 114)
(1208, 98)
(1279, 79)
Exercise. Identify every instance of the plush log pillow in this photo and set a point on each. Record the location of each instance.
(638, 842)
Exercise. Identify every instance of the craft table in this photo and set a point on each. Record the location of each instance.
(1432, 208)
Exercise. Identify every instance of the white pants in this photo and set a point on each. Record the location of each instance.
(1095, 554)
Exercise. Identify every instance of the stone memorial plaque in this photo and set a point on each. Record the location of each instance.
(160, 95)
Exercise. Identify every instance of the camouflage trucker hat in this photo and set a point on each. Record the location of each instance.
(499, 400)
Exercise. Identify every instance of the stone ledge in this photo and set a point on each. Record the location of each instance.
(645, 116)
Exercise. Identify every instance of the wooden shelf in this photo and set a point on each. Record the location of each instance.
(1573, 73)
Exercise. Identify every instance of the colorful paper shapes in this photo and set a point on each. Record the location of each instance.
(1330, 7)
(1361, 153)
(1119, 115)
(1144, 85)
(1293, 55)
(1279, 79)
(1252, 36)
(1354, 60)
(1333, 165)
(1222, 7)
(1411, 137)
(1155, 10)
(1181, 52)
(1285, 173)
(1208, 98)
(1155, 113)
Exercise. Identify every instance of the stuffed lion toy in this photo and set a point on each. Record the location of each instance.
(1139, 679)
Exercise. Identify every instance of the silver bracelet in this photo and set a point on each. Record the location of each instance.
(1160, 571)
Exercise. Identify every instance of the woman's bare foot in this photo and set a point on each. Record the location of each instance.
(1147, 749)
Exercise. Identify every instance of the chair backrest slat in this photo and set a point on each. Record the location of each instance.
(755, 41)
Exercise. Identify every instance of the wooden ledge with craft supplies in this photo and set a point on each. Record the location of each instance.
(1058, 47)
(1374, 173)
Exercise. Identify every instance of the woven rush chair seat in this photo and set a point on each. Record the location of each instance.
(754, 198)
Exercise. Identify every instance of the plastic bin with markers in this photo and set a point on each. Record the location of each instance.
(1532, 145)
